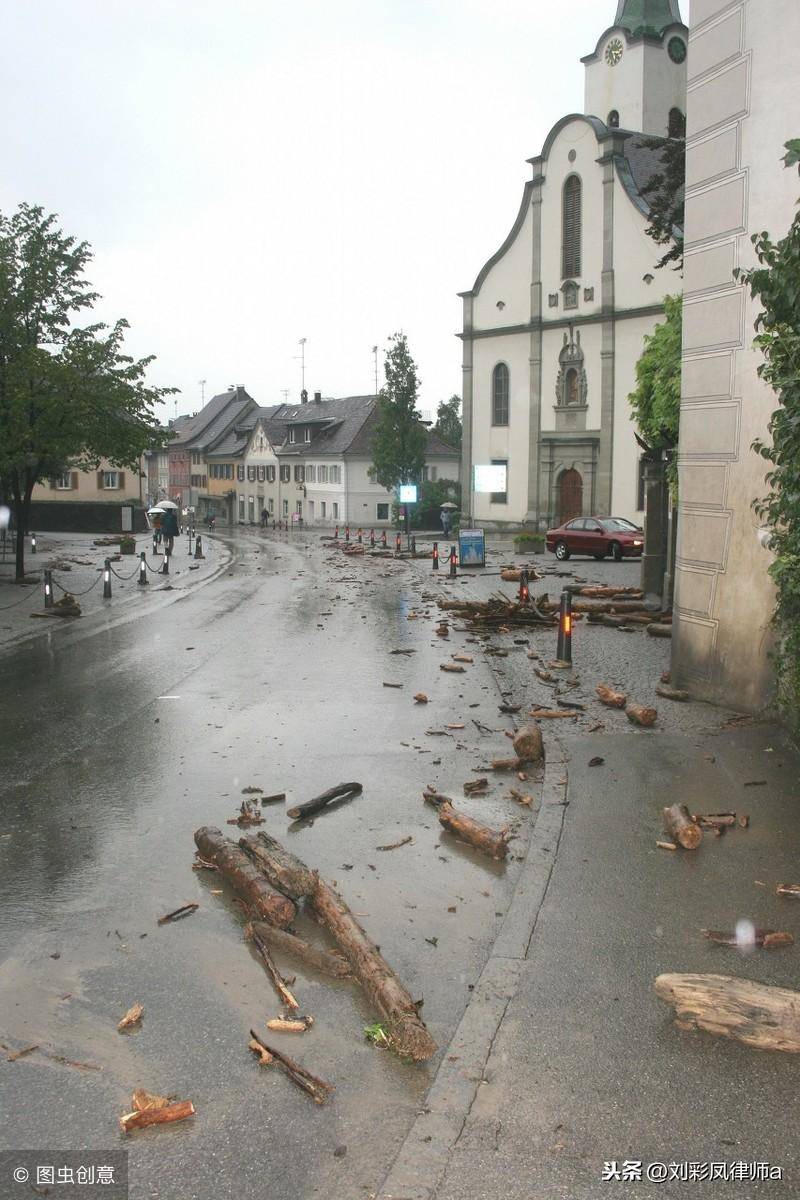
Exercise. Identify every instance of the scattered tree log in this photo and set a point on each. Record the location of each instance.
(767, 1018)
(396, 845)
(768, 939)
(788, 889)
(679, 824)
(157, 1116)
(638, 714)
(452, 668)
(715, 820)
(289, 1025)
(671, 693)
(420, 698)
(185, 910)
(528, 743)
(546, 714)
(142, 1101)
(382, 986)
(610, 698)
(244, 878)
(132, 1017)
(666, 846)
(505, 764)
(278, 796)
(342, 791)
(283, 870)
(278, 982)
(317, 1089)
(658, 630)
(328, 962)
(511, 574)
(492, 842)
(476, 787)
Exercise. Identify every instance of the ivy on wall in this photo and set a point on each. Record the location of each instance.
(776, 284)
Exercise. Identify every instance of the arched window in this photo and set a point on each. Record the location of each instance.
(677, 124)
(613, 119)
(500, 395)
(571, 229)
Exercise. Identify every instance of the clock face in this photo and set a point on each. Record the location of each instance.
(614, 52)
(677, 49)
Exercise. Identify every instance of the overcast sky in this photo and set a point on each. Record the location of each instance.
(251, 172)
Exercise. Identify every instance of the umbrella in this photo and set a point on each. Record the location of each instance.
(157, 511)
(167, 504)
(448, 504)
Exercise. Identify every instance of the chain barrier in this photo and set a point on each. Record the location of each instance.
(15, 603)
(135, 571)
(85, 591)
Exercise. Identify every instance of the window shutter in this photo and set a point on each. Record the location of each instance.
(571, 232)
(120, 479)
(73, 481)
(100, 480)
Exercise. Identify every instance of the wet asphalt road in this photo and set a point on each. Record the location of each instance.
(120, 736)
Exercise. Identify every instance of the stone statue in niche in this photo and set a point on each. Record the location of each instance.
(570, 290)
(588, 294)
(552, 299)
(572, 386)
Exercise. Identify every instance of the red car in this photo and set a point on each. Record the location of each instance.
(598, 536)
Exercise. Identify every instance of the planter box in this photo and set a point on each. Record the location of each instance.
(529, 543)
(127, 545)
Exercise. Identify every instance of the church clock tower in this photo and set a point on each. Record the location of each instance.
(636, 76)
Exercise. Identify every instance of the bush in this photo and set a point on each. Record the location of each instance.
(530, 543)
(127, 545)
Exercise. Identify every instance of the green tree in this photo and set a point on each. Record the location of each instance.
(776, 283)
(664, 193)
(398, 442)
(656, 401)
(433, 493)
(448, 422)
(69, 395)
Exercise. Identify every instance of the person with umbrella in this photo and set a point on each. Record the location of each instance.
(447, 518)
(169, 524)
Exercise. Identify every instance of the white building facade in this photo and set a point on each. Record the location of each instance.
(555, 321)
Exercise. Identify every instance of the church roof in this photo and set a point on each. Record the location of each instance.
(648, 16)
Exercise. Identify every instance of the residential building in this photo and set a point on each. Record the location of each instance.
(108, 498)
(156, 471)
(195, 434)
(556, 319)
(743, 105)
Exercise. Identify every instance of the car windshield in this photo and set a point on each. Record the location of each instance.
(619, 524)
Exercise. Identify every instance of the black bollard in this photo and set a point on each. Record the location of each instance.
(524, 589)
(143, 581)
(564, 650)
(383, 538)
(33, 543)
(165, 567)
(360, 538)
(198, 547)
(398, 544)
(453, 562)
(372, 537)
(414, 546)
(107, 579)
(435, 566)
(48, 589)
(336, 534)
(347, 533)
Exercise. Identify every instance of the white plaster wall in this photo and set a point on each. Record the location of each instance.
(636, 255)
(620, 87)
(508, 283)
(577, 135)
(664, 87)
(509, 442)
(630, 337)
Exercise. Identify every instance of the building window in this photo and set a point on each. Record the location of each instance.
(322, 475)
(383, 512)
(336, 474)
(241, 508)
(570, 290)
(299, 474)
(323, 509)
(434, 473)
(571, 387)
(251, 506)
(640, 484)
(198, 481)
(677, 124)
(571, 228)
(270, 474)
(251, 474)
(311, 474)
(64, 483)
(335, 508)
(286, 508)
(292, 436)
(261, 474)
(424, 474)
(500, 395)
(271, 505)
(286, 474)
(307, 434)
(111, 481)
(613, 119)
(500, 497)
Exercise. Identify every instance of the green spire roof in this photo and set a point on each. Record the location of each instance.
(648, 16)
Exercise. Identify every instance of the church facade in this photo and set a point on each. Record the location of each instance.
(556, 319)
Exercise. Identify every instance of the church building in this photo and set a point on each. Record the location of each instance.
(555, 321)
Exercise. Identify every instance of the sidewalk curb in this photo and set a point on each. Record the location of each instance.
(421, 1162)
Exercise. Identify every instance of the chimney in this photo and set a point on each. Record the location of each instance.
(317, 397)
(304, 397)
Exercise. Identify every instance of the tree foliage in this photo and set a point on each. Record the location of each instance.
(398, 442)
(433, 493)
(664, 192)
(776, 283)
(448, 422)
(656, 401)
(69, 395)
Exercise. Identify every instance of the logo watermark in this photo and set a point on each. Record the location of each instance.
(64, 1173)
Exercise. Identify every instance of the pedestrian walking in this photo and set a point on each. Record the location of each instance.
(264, 518)
(446, 522)
(169, 527)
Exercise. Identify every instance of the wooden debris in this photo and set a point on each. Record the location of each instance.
(202, 864)
(509, 709)
(327, 962)
(546, 714)
(342, 791)
(767, 1018)
(402, 652)
(396, 845)
(744, 821)
(17, 1054)
(317, 1089)
(164, 1115)
(638, 714)
(375, 975)
(597, 761)
(715, 820)
(671, 693)
(462, 658)
(392, 685)
(236, 867)
(185, 911)
(666, 845)
(610, 698)
(788, 889)
(132, 1017)
(251, 791)
(505, 764)
(142, 1101)
(278, 797)
(420, 698)
(453, 668)
(287, 1025)
(660, 631)
(249, 814)
(278, 982)
(679, 824)
(768, 939)
(476, 787)
(491, 842)
(284, 871)
(520, 797)
(528, 744)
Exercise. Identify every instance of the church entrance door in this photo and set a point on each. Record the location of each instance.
(570, 496)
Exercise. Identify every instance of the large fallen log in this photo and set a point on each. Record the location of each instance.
(325, 961)
(753, 1013)
(244, 878)
(342, 791)
(492, 842)
(528, 743)
(283, 870)
(679, 824)
(409, 1035)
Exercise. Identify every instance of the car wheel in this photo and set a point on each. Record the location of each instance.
(616, 551)
(562, 551)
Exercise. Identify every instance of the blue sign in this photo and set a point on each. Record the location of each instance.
(472, 548)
